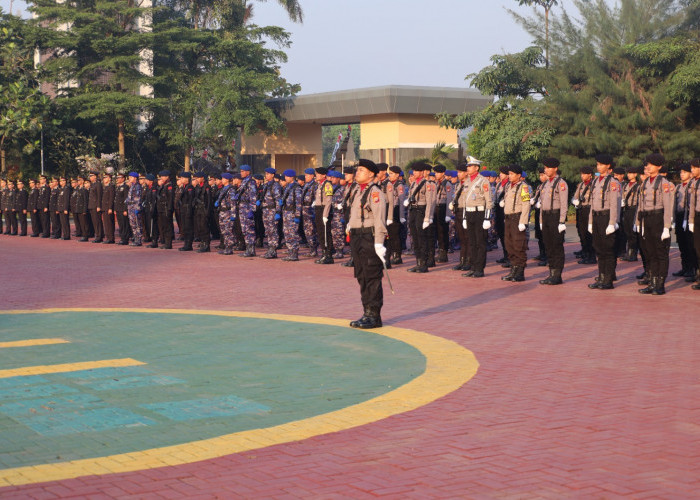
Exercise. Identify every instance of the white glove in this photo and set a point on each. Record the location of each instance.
(666, 234)
(622, 203)
(539, 204)
(691, 227)
(325, 220)
(673, 225)
(522, 227)
(448, 218)
(575, 202)
(561, 228)
(451, 206)
(617, 226)
(486, 224)
(402, 220)
(389, 222)
(405, 203)
(313, 204)
(380, 250)
(590, 228)
(339, 206)
(464, 223)
(431, 220)
(502, 203)
(532, 202)
(610, 229)
(635, 228)
(685, 225)
(426, 224)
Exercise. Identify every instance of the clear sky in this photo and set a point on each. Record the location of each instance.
(365, 43)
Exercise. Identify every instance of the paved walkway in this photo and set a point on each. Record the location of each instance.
(579, 393)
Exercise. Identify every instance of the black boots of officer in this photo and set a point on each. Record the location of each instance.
(656, 286)
(441, 256)
(349, 263)
(630, 256)
(554, 278)
(203, 248)
(249, 251)
(420, 267)
(462, 266)
(517, 273)
(370, 319)
(327, 257)
(587, 258)
(396, 258)
(602, 282)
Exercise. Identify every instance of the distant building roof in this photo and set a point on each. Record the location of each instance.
(347, 106)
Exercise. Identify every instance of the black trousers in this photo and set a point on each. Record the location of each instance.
(11, 219)
(420, 236)
(36, 222)
(165, 228)
(696, 236)
(22, 219)
(187, 227)
(685, 243)
(124, 227)
(393, 241)
(442, 228)
(553, 240)
(325, 239)
(81, 224)
(201, 227)
(108, 225)
(628, 222)
(604, 244)
(516, 241)
(65, 225)
(45, 223)
(582, 216)
(150, 228)
(462, 236)
(96, 218)
(655, 249)
(55, 225)
(476, 237)
(500, 227)
(368, 270)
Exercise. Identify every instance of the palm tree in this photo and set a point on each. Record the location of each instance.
(547, 6)
(293, 8)
(440, 155)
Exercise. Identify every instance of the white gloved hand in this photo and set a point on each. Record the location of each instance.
(313, 204)
(380, 250)
(666, 234)
(561, 228)
(539, 224)
(522, 227)
(691, 227)
(610, 229)
(617, 226)
(339, 206)
(426, 224)
(539, 204)
(448, 218)
(464, 223)
(402, 220)
(431, 220)
(685, 225)
(486, 224)
(673, 225)
(389, 222)
(325, 220)
(622, 203)
(451, 206)
(635, 228)
(575, 202)
(405, 203)
(532, 202)
(590, 228)
(501, 203)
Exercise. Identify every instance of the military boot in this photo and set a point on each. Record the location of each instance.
(271, 254)
(203, 248)
(509, 276)
(462, 266)
(249, 251)
(548, 279)
(292, 255)
(659, 289)
(396, 258)
(519, 273)
(372, 319)
(356, 323)
(442, 256)
(349, 263)
(650, 286)
(605, 282)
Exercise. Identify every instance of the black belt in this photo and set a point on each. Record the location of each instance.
(554, 211)
(307, 204)
(647, 213)
(362, 230)
(418, 207)
(602, 212)
(513, 215)
(289, 209)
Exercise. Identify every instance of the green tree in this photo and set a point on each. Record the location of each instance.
(440, 155)
(547, 7)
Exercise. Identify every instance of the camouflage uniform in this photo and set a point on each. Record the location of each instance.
(338, 221)
(225, 206)
(291, 203)
(270, 201)
(133, 206)
(248, 195)
(308, 216)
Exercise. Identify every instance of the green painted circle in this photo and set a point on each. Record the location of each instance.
(204, 376)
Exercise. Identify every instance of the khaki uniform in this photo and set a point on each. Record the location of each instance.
(516, 207)
(654, 214)
(476, 205)
(554, 205)
(606, 198)
(422, 197)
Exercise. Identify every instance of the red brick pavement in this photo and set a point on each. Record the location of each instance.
(580, 393)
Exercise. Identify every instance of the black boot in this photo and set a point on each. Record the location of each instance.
(683, 271)
(372, 319)
(694, 277)
(356, 323)
(509, 276)
(696, 286)
(643, 279)
(396, 259)
(249, 251)
(203, 248)
(442, 256)
(553, 279)
(461, 266)
(605, 282)
(650, 287)
(659, 289)
(349, 263)
(271, 254)
(519, 274)
(187, 247)
(596, 283)
(548, 279)
(431, 260)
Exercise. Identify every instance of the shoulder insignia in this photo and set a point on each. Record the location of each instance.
(375, 197)
(328, 190)
(430, 187)
(389, 187)
(666, 188)
(614, 187)
(486, 187)
(563, 185)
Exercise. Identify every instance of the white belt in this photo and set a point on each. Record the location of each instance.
(474, 209)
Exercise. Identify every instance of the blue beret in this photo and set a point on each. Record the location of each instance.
(150, 177)
(258, 177)
(245, 168)
(269, 170)
(431, 174)
(134, 174)
(164, 173)
(310, 171)
(301, 177)
(227, 175)
(290, 173)
(187, 175)
(451, 173)
(237, 176)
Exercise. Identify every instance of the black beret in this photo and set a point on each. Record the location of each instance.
(619, 170)
(695, 162)
(164, 173)
(440, 168)
(321, 170)
(632, 170)
(349, 170)
(215, 175)
(551, 162)
(301, 177)
(685, 167)
(186, 175)
(586, 169)
(655, 159)
(258, 177)
(503, 169)
(663, 169)
(604, 158)
(516, 169)
(369, 165)
(278, 177)
(462, 167)
(150, 177)
(541, 169)
(383, 167)
(395, 169)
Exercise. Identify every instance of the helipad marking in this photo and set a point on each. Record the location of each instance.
(68, 367)
(32, 342)
(448, 367)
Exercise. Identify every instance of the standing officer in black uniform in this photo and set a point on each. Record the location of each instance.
(421, 205)
(53, 209)
(150, 224)
(554, 199)
(80, 216)
(121, 191)
(94, 205)
(164, 209)
(63, 207)
(202, 207)
(456, 210)
(630, 196)
(21, 202)
(186, 207)
(107, 209)
(442, 225)
(43, 202)
(32, 208)
(367, 228)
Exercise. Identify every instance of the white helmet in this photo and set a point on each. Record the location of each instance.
(473, 161)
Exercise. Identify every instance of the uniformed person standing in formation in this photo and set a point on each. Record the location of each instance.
(337, 214)
(248, 195)
(456, 211)
(186, 209)
(63, 206)
(322, 208)
(396, 215)
(165, 207)
(133, 208)
(224, 205)
(694, 215)
(421, 206)
(21, 203)
(654, 219)
(271, 211)
(291, 203)
(554, 200)
(606, 196)
(94, 205)
(201, 207)
(150, 217)
(43, 202)
(476, 204)
(516, 209)
(348, 196)
(582, 201)
(107, 208)
(630, 196)
(308, 211)
(121, 191)
(9, 193)
(53, 209)
(536, 202)
(32, 208)
(441, 220)
(681, 218)
(367, 228)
